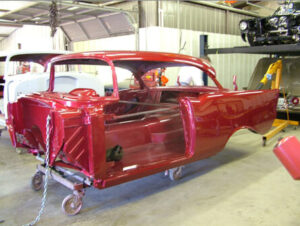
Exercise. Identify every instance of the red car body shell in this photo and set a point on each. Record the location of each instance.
(81, 131)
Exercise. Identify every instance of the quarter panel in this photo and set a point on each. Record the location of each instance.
(217, 116)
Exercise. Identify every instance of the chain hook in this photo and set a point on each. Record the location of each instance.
(48, 133)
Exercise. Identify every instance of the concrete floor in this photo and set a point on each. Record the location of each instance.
(243, 185)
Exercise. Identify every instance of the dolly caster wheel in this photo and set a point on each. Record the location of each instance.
(264, 141)
(175, 173)
(37, 181)
(72, 204)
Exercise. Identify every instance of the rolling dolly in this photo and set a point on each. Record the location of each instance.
(72, 203)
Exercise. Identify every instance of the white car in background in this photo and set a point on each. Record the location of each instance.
(24, 72)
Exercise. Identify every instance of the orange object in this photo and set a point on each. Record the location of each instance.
(25, 69)
(164, 80)
(152, 78)
(230, 2)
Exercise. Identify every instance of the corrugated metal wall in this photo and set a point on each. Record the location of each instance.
(228, 65)
(198, 17)
(148, 13)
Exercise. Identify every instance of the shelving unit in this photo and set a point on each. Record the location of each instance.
(279, 50)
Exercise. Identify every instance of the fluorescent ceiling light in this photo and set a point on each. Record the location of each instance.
(73, 8)
(13, 5)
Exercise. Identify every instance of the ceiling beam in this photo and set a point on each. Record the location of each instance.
(259, 6)
(103, 8)
(10, 24)
(214, 5)
(70, 15)
(4, 10)
(19, 9)
(44, 15)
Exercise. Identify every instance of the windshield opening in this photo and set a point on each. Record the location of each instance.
(91, 74)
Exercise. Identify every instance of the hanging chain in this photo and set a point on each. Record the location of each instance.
(53, 17)
(46, 174)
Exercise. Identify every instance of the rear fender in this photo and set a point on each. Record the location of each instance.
(210, 120)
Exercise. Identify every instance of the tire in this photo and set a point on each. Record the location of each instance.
(175, 173)
(72, 204)
(37, 181)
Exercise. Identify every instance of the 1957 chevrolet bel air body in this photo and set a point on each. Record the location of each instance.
(128, 134)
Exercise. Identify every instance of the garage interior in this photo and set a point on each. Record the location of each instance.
(244, 184)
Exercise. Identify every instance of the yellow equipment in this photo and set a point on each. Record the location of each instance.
(278, 123)
(273, 68)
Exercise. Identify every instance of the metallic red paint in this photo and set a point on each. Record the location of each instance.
(85, 125)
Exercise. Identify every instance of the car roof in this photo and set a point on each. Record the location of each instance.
(120, 58)
(29, 55)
